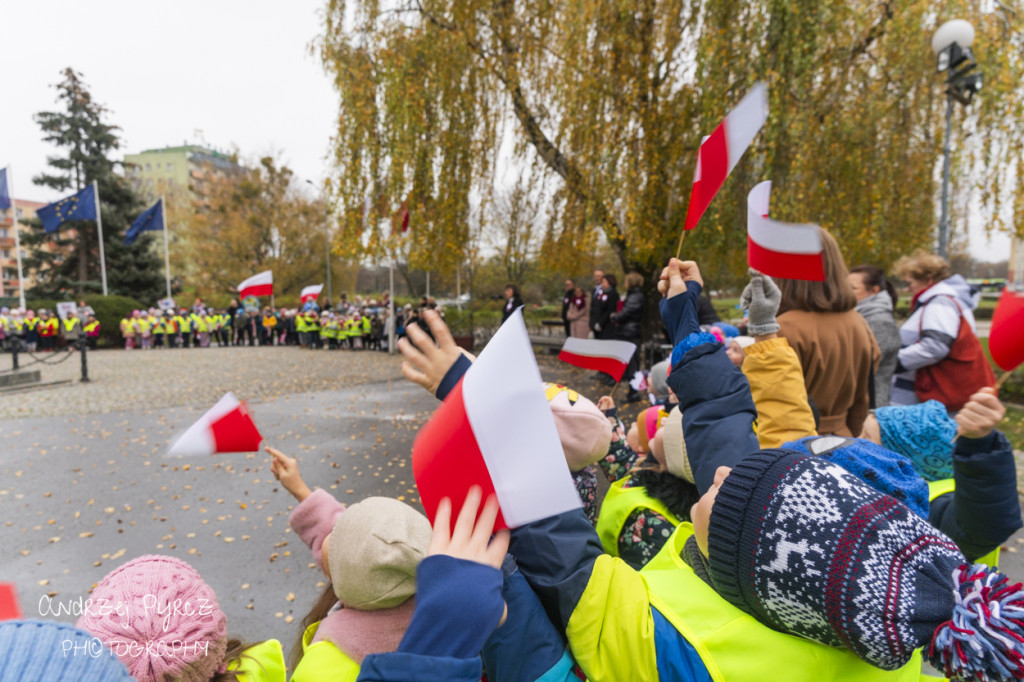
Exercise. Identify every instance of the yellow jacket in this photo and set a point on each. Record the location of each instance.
(780, 395)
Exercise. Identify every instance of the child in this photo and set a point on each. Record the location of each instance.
(370, 553)
(163, 622)
(44, 651)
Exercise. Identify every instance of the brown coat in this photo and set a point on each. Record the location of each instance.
(579, 319)
(837, 353)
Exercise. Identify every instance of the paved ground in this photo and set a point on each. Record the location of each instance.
(84, 485)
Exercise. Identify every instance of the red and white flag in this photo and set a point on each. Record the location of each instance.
(610, 357)
(9, 609)
(721, 151)
(311, 293)
(495, 430)
(257, 285)
(786, 250)
(227, 427)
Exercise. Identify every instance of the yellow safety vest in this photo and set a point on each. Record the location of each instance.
(184, 323)
(144, 324)
(31, 324)
(263, 662)
(69, 324)
(948, 485)
(618, 505)
(733, 645)
(323, 662)
(91, 327)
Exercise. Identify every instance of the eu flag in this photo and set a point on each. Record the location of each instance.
(151, 219)
(5, 194)
(78, 206)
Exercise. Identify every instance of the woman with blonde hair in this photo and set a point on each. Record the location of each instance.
(939, 349)
(837, 351)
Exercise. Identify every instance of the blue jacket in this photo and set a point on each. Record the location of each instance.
(985, 509)
(719, 416)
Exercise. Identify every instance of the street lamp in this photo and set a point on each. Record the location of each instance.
(952, 47)
(327, 244)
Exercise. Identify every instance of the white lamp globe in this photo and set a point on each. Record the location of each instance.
(956, 31)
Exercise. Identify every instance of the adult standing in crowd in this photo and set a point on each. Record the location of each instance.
(512, 302)
(628, 325)
(567, 297)
(837, 350)
(939, 338)
(594, 299)
(607, 302)
(876, 299)
(579, 314)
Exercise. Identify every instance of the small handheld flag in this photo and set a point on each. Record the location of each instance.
(311, 293)
(79, 206)
(784, 250)
(470, 440)
(610, 357)
(721, 151)
(1006, 338)
(151, 219)
(257, 285)
(227, 427)
(9, 608)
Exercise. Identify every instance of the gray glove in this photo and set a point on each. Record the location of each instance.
(761, 299)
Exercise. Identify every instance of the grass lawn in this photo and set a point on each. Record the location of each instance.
(1013, 426)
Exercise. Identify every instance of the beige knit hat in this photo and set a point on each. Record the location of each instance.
(374, 549)
(676, 460)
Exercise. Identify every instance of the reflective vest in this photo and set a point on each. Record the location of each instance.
(48, 327)
(312, 323)
(211, 322)
(92, 329)
(31, 324)
(300, 324)
(199, 322)
(153, 322)
(357, 328)
(617, 507)
(70, 324)
(18, 323)
(184, 323)
(323, 662)
(366, 325)
(948, 485)
(734, 646)
(143, 325)
(263, 662)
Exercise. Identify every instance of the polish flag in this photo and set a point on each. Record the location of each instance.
(311, 293)
(495, 430)
(1006, 338)
(785, 250)
(721, 151)
(227, 427)
(610, 357)
(257, 285)
(9, 609)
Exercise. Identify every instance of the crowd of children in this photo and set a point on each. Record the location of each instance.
(739, 540)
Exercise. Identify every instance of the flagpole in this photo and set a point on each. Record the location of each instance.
(17, 241)
(99, 227)
(167, 248)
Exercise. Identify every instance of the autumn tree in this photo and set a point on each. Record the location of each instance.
(244, 224)
(607, 103)
(67, 263)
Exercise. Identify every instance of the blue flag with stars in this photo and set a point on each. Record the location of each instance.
(5, 193)
(78, 206)
(151, 219)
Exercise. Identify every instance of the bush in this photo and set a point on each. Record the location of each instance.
(109, 312)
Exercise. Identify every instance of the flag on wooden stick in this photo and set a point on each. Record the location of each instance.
(721, 151)
(610, 357)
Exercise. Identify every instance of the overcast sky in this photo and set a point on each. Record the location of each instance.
(239, 71)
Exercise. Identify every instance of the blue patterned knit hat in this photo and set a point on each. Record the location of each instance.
(884, 470)
(922, 432)
(41, 651)
(808, 549)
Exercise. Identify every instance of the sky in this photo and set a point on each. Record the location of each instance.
(238, 71)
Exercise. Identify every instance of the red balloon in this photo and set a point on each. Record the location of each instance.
(1006, 340)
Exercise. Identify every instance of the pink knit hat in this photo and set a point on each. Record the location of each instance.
(160, 619)
(583, 429)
